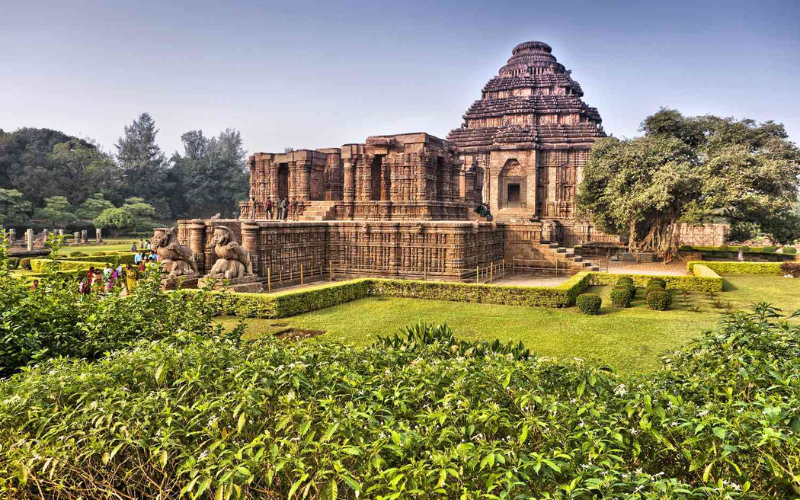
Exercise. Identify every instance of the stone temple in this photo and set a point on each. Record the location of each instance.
(404, 205)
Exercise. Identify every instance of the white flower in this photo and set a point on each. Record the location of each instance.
(620, 390)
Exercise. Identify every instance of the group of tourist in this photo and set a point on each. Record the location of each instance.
(106, 279)
(282, 208)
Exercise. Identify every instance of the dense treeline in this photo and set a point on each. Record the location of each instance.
(53, 179)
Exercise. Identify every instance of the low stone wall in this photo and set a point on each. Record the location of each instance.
(704, 234)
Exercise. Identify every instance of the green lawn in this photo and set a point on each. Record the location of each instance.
(111, 245)
(628, 339)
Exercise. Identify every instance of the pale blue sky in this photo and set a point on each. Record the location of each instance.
(310, 74)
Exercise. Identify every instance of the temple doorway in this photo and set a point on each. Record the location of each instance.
(283, 181)
(377, 177)
(513, 195)
(513, 184)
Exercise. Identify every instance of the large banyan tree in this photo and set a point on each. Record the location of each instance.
(693, 170)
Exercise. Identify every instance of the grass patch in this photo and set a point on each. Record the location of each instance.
(112, 245)
(628, 339)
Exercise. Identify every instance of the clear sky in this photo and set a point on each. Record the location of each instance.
(311, 74)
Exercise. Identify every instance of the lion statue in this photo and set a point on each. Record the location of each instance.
(233, 261)
(176, 259)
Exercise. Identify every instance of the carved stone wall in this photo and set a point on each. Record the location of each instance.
(445, 250)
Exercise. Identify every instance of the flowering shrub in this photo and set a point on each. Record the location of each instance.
(420, 417)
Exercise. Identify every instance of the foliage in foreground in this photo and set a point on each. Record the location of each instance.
(56, 320)
(423, 418)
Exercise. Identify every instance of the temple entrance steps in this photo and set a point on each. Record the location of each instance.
(319, 210)
(566, 257)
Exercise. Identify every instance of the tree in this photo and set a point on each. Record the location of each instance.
(56, 212)
(115, 220)
(14, 208)
(93, 206)
(143, 163)
(41, 163)
(693, 170)
(212, 174)
(142, 213)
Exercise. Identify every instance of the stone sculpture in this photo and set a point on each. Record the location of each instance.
(176, 259)
(233, 261)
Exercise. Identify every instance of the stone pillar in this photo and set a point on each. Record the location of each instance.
(99, 236)
(386, 179)
(77, 237)
(273, 186)
(29, 239)
(250, 243)
(12, 236)
(84, 236)
(365, 193)
(304, 186)
(447, 184)
(61, 232)
(44, 235)
(349, 182)
(197, 243)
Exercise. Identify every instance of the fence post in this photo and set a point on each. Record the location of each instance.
(301, 274)
(330, 269)
(280, 276)
(425, 272)
(491, 272)
(269, 279)
(556, 267)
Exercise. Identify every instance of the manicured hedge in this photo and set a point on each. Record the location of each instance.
(281, 305)
(122, 258)
(691, 283)
(40, 265)
(769, 268)
(563, 295)
(727, 248)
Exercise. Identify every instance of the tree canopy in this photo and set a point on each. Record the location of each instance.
(211, 176)
(693, 170)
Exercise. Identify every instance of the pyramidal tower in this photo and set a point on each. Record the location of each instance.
(528, 136)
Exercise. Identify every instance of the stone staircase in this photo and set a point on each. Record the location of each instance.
(567, 257)
(319, 210)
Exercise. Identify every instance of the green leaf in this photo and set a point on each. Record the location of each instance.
(524, 435)
(707, 472)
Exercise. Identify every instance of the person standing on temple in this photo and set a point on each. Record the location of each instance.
(280, 208)
(269, 208)
(285, 207)
(133, 247)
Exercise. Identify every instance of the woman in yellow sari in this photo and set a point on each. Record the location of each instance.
(131, 277)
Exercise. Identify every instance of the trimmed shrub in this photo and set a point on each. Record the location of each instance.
(13, 262)
(25, 263)
(589, 303)
(691, 283)
(704, 271)
(768, 268)
(659, 299)
(789, 250)
(744, 248)
(791, 269)
(78, 253)
(657, 282)
(621, 297)
(626, 282)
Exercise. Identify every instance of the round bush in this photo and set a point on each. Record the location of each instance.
(589, 303)
(25, 263)
(657, 282)
(13, 263)
(621, 297)
(659, 300)
(789, 250)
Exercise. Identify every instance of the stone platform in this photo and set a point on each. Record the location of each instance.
(248, 284)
